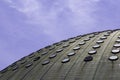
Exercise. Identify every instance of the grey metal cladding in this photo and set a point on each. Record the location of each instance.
(93, 56)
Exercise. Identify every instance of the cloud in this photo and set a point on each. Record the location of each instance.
(57, 14)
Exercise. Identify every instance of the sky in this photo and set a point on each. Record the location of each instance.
(28, 25)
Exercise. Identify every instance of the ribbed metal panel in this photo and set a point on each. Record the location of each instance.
(93, 56)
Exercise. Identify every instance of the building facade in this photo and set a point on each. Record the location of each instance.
(93, 56)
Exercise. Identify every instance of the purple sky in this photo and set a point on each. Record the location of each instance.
(28, 25)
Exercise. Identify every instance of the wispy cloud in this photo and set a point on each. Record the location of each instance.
(57, 14)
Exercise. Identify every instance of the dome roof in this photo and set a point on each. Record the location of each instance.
(93, 56)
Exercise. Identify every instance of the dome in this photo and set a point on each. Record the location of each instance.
(93, 56)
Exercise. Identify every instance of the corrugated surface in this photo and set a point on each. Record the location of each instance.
(54, 63)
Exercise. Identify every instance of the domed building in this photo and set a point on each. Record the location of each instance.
(93, 56)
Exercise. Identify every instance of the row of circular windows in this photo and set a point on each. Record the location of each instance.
(67, 59)
(71, 40)
(59, 50)
(88, 58)
(14, 66)
(90, 52)
(116, 50)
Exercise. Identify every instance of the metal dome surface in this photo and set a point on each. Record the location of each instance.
(93, 56)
